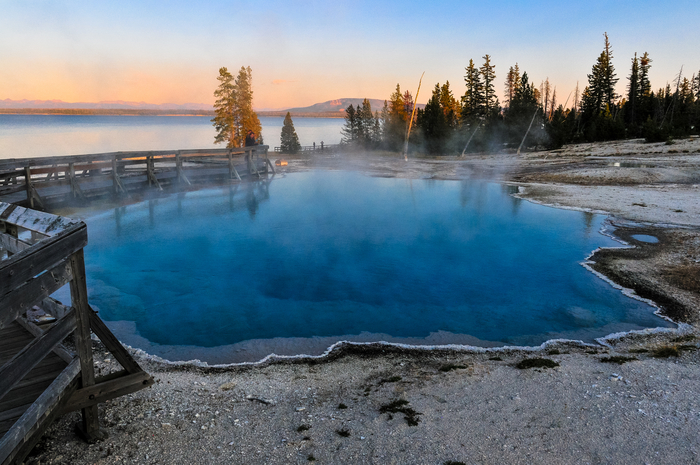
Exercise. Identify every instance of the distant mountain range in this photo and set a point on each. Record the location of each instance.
(108, 104)
(329, 107)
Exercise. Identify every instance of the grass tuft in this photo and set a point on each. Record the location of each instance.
(666, 352)
(536, 363)
(311, 458)
(496, 359)
(303, 428)
(342, 406)
(553, 352)
(401, 406)
(451, 366)
(345, 433)
(619, 359)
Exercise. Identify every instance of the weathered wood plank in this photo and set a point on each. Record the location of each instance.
(83, 343)
(36, 331)
(45, 254)
(12, 244)
(40, 222)
(97, 393)
(21, 299)
(17, 368)
(37, 417)
(112, 344)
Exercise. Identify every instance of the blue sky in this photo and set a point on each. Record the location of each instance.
(307, 52)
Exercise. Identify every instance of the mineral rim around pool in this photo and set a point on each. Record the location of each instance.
(294, 264)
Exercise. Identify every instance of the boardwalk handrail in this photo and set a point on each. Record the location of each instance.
(30, 181)
(45, 252)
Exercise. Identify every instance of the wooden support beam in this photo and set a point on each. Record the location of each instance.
(78, 291)
(32, 195)
(74, 186)
(116, 180)
(45, 254)
(12, 244)
(180, 174)
(150, 172)
(17, 368)
(21, 299)
(26, 432)
(112, 344)
(36, 331)
(231, 167)
(106, 390)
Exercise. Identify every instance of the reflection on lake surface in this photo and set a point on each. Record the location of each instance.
(293, 264)
(53, 135)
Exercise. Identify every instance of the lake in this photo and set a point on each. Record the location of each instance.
(53, 135)
(296, 263)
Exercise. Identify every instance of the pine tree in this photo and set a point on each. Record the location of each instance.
(512, 83)
(395, 120)
(233, 110)
(433, 124)
(289, 141)
(632, 92)
(449, 105)
(349, 130)
(490, 100)
(472, 101)
(224, 109)
(246, 118)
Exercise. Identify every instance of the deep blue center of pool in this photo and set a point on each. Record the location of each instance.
(336, 254)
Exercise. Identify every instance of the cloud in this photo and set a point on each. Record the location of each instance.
(279, 82)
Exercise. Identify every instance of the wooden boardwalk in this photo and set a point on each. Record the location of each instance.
(36, 182)
(41, 379)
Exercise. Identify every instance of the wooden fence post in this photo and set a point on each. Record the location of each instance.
(90, 425)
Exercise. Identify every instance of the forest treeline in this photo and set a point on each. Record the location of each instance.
(477, 121)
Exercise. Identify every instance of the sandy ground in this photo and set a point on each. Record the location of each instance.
(382, 404)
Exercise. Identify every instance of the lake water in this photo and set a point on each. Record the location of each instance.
(294, 264)
(53, 135)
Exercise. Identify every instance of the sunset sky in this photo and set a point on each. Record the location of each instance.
(307, 52)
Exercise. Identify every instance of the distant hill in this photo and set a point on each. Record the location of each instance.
(338, 105)
(104, 105)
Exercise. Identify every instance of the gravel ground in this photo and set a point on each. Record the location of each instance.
(384, 404)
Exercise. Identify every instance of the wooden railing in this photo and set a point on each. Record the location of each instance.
(41, 253)
(314, 148)
(31, 181)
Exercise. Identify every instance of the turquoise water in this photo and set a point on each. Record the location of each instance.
(319, 256)
(54, 135)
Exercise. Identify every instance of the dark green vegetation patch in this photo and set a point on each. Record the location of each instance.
(451, 366)
(303, 428)
(345, 433)
(619, 359)
(342, 406)
(536, 363)
(401, 406)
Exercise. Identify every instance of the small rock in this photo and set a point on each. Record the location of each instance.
(299, 409)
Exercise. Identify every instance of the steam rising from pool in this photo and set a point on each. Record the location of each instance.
(295, 264)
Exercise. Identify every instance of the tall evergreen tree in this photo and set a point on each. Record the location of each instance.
(233, 110)
(224, 109)
(488, 75)
(512, 83)
(289, 141)
(472, 101)
(433, 124)
(395, 120)
(246, 118)
(350, 130)
(449, 105)
(601, 84)
(632, 92)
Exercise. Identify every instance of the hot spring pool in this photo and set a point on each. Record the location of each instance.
(294, 264)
